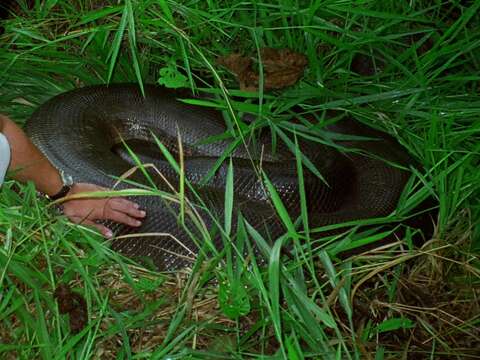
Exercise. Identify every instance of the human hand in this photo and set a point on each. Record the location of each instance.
(87, 210)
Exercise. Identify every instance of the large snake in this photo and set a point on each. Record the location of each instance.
(81, 132)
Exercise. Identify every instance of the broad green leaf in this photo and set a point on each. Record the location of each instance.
(170, 77)
(395, 324)
(233, 298)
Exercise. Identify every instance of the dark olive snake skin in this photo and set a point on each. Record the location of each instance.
(80, 131)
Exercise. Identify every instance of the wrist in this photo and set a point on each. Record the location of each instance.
(55, 183)
(65, 186)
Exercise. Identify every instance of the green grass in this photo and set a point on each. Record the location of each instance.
(394, 302)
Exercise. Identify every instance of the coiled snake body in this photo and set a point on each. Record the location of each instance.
(81, 132)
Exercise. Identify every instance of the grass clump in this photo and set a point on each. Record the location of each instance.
(410, 69)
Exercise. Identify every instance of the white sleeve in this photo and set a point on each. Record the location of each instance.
(4, 157)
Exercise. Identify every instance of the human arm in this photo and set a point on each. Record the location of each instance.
(27, 163)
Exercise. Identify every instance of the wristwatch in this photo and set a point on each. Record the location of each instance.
(67, 184)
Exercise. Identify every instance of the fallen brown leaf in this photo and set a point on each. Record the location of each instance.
(281, 68)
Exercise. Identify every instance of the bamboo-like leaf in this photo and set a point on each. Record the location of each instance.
(132, 39)
(310, 305)
(48, 5)
(166, 10)
(181, 189)
(139, 163)
(259, 240)
(229, 198)
(280, 208)
(117, 42)
(99, 14)
(332, 275)
(228, 151)
(295, 150)
(301, 189)
(171, 160)
(274, 287)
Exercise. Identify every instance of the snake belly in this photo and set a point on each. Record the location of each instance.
(83, 132)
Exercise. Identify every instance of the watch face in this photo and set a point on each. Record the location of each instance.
(69, 180)
(66, 179)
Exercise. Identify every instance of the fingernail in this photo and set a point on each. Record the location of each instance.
(136, 206)
(108, 233)
(138, 223)
(143, 213)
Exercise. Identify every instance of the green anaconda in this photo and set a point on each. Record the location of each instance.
(81, 132)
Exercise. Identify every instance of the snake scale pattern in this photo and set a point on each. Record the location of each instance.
(81, 132)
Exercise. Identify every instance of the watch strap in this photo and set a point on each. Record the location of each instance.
(67, 182)
(62, 193)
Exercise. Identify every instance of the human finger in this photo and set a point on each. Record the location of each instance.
(105, 231)
(127, 207)
(122, 218)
